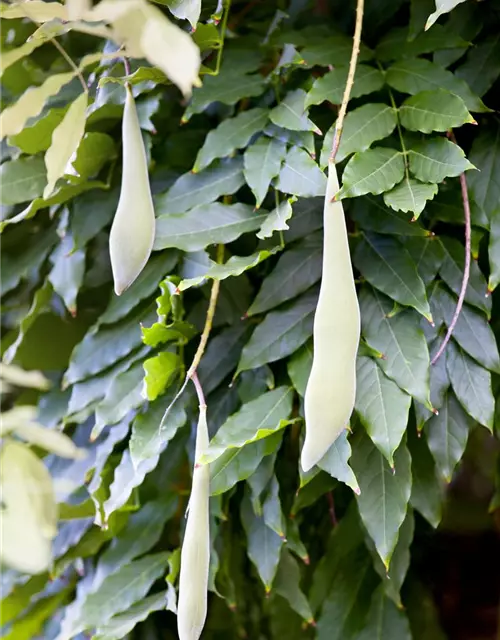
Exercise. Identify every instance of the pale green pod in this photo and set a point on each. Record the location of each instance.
(195, 554)
(331, 388)
(133, 230)
(29, 516)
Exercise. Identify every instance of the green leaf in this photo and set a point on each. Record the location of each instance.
(452, 269)
(427, 254)
(291, 113)
(67, 273)
(194, 189)
(361, 128)
(472, 385)
(276, 220)
(145, 285)
(94, 151)
(392, 580)
(287, 585)
(231, 134)
(387, 266)
(472, 331)
(442, 6)
(204, 225)
(256, 419)
(344, 611)
(484, 56)
(123, 394)
(229, 87)
(299, 367)
(272, 510)
(235, 266)
(400, 340)
(65, 140)
(427, 487)
(39, 304)
(38, 11)
(373, 171)
(186, 10)
(372, 215)
(335, 462)
(259, 480)
(410, 195)
(281, 333)
(22, 179)
(414, 75)
(151, 432)
(385, 621)
(29, 626)
(396, 44)
(264, 545)
(300, 175)
(385, 493)
(437, 110)
(122, 624)
(483, 184)
(102, 348)
(121, 590)
(435, 159)
(159, 372)
(331, 86)
(262, 163)
(31, 103)
(382, 407)
(239, 464)
(141, 533)
(333, 50)
(447, 435)
(296, 270)
(38, 136)
(494, 251)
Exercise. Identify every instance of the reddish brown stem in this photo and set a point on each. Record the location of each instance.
(465, 278)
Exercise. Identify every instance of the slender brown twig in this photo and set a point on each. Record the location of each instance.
(465, 277)
(350, 78)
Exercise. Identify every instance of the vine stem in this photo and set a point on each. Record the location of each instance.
(209, 319)
(465, 277)
(360, 6)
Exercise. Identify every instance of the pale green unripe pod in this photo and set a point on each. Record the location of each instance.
(331, 388)
(133, 230)
(29, 514)
(195, 554)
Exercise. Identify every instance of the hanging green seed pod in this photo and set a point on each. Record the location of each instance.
(331, 388)
(29, 511)
(195, 554)
(133, 230)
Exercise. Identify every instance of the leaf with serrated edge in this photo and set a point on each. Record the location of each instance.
(373, 171)
(395, 275)
(231, 134)
(400, 340)
(385, 493)
(430, 111)
(385, 620)
(281, 333)
(331, 86)
(382, 407)
(410, 195)
(472, 385)
(262, 163)
(362, 127)
(300, 175)
(291, 113)
(255, 420)
(335, 462)
(435, 159)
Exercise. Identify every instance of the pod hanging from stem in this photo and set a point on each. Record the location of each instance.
(133, 230)
(195, 554)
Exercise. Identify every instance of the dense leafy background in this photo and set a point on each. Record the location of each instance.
(349, 550)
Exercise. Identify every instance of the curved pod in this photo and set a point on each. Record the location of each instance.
(331, 388)
(195, 554)
(133, 230)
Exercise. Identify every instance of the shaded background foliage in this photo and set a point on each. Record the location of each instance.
(395, 535)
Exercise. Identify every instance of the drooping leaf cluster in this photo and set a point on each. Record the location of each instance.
(237, 170)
